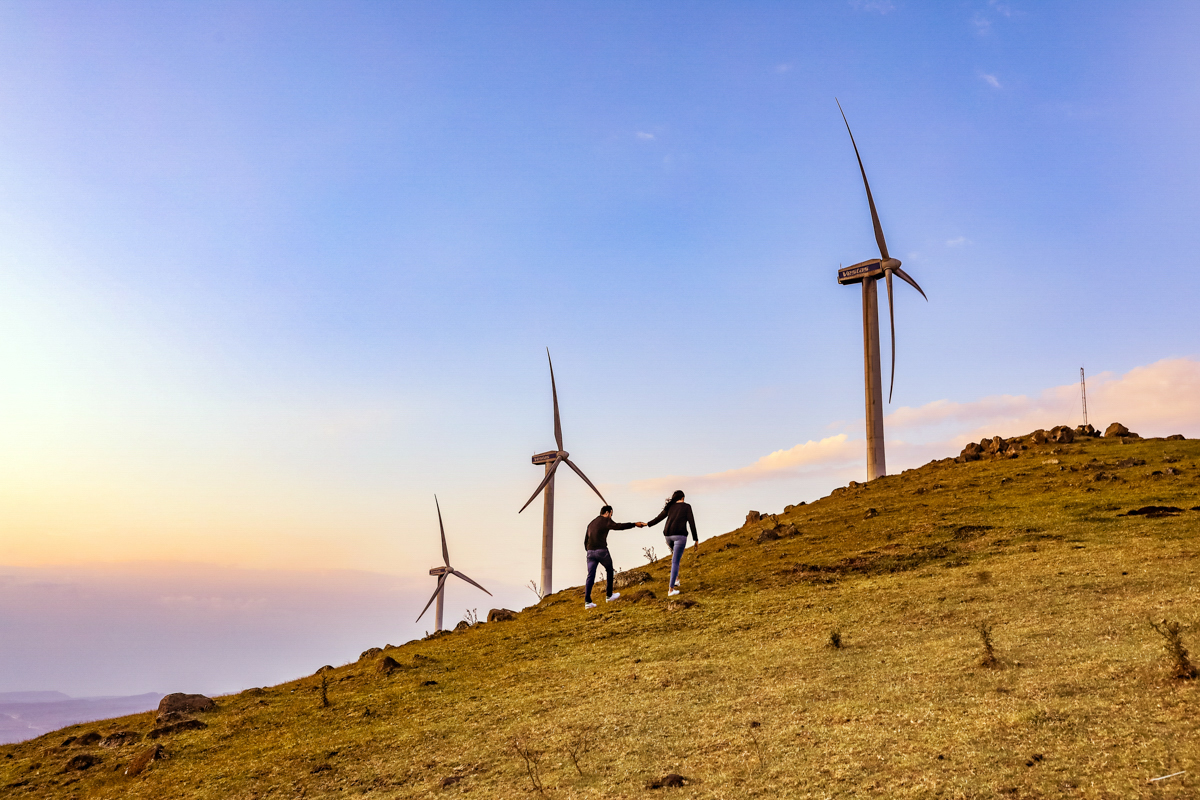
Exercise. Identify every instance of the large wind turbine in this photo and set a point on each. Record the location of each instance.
(868, 273)
(442, 573)
(552, 458)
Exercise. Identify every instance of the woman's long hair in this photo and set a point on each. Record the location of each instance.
(673, 499)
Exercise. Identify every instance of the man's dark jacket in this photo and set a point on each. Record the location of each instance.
(597, 532)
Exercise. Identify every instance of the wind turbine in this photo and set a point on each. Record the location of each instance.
(552, 458)
(443, 573)
(868, 273)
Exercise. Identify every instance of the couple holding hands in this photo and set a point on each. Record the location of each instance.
(678, 515)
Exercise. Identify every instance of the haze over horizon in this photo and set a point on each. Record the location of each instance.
(271, 275)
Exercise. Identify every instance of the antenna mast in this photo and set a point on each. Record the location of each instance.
(1083, 391)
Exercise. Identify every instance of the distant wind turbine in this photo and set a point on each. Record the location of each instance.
(552, 458)
(868, 273)
(442, 573)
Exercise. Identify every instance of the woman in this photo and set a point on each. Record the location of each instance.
(678, 515)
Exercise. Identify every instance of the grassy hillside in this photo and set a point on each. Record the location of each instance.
(743, 693)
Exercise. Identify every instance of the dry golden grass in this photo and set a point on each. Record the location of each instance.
(743, 694)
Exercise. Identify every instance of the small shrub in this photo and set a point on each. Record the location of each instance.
(579, 744)
(1172, 632)
(990, 659)
(651, 556)
(533, 763)
(835, 639)
(472, 617)
(533, 587)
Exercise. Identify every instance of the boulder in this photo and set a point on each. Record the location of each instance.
(1175, 437)
(387, 665)
(1115, 430)
(787, 530)
(630, 577)
(88, 739)
(767, 536)
(120, 739)
(752, 517)
(1038, 437)
(995, 445)
(1062, 434)
(462, 625)
(177, 727)
(82, 761)
(143, 759)
(1086, 430)
(326, 668)
(970, 453)
(501, 615)
(370, 653)
(185, 703)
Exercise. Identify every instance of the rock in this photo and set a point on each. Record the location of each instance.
(1115, 430)
(870, 514)
(972, 452)
(680, 603)
(752, 517)
(177, 727)
(387, 665)
(1050, 461)
(186, 703)
(326, 668)
(671, 780)
(120, 739)
(1062, 434)
(88, 739)
(1176, 437)
(1086, 430)
(256, 691)
(370, 653)
(767, 536)
(143, 759)
(787, 530)
(70, 740)
(450, 781)
(1039, 436)
(630, 577)
(462, 625)
(501, 615)
(81, 762)
(853, 485)
(995, 445)
(429, 683)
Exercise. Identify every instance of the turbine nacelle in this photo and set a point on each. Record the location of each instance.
(441, 571)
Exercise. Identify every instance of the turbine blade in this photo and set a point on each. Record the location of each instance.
(904, 276)
(542, 485)
(585, 479)
(473, 583)
(445, 551)
(883, 251)
(892, 319)
(441, 581)
(554, 392)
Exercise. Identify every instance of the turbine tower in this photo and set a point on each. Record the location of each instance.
(442, 573)
(868, 274)
(552, 458)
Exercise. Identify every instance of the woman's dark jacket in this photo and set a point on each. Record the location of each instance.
(679, 517)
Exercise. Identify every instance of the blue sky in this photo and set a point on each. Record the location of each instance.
(272, 274)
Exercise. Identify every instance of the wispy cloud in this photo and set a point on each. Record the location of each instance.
(782, 463)
(1154, 400)
(991, 80)
(957, 241)
(645, 136)
(781, 68)
(982, 24)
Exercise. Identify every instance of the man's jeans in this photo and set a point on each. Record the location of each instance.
(595, 558)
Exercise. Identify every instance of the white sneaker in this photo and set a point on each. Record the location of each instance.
(588, 605)
(672, 592)
(613, 596)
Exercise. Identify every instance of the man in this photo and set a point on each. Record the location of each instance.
(596, 544)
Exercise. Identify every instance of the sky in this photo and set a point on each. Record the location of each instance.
(272, 275)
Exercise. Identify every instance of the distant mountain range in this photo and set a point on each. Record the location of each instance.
(25, 715)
